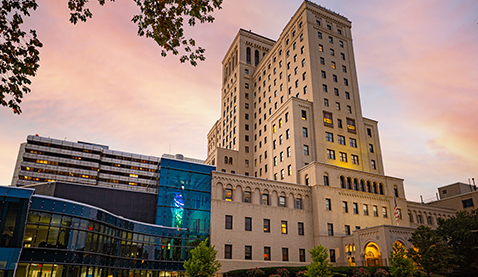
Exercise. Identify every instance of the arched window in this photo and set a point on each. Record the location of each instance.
(349, 183)
(256, 57)
(380, 188)
(369, 187)
(226, 160)
(306, 179)
(356, 185)
(395, 191)
(326, 179)
(230, 160)
(362, 185)
(342, 182)
(375, 188)
(248, 55)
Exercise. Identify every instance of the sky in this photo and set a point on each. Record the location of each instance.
(417, 67)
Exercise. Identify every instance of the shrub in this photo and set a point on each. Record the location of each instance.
(361, 272)
(255, 272)
(380, 272)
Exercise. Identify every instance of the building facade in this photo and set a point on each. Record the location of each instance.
(291, 164)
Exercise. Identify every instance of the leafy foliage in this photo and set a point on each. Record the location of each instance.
(203, 262)
(19, 55)
(461, 234)
(400, 264)
(320, 265)
(429, 251)
(160, 20)
(255, 272)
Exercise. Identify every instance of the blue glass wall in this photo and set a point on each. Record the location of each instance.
(14, 204)
(184, 196)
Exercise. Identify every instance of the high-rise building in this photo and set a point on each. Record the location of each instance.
(294, 101)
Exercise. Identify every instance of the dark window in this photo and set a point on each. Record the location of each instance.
(285, 254)
(248, 252)
(267, 225)
(369, 132)
(248, 57)
(304, 132)
(395, 190)
(301, 228)
(328, 204)
(248, 224)
(304, 115)
(228, 251)
(345, 206)
(302, 255)
(355, 207)
(256, 57)
(347, 230)
(326, 180)
(468, 203)
(229, 222)
(332, 255)
(330, 229)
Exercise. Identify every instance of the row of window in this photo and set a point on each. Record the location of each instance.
(266, 225)
(267, 253)
(355, 208)
(265, 200)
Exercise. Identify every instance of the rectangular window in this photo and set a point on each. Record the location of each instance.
(337, 106)
(334, 78)
(289, 167)
(328, 120)
(322, 61)
(324, 88)
(247, 198)
(248, 224)
(370, 147)
(375, 210)
(283, 227)
(321, 48)
(351, 125)
(248, 252)
(302, 255)
(328, 206)
(346, 82)
(304, 115)
(229, 222)
(285, 254)
(341, 139)
(228, 251)
(306, 150)
(326, 102)
(467, 203)
(300, 227)
(267, 253)
(345, 207)
(355, 207)
(355, 159)
(281, 201)
(349, 109)
(429, 220)
(343, 157)
(384, 212)
(265, 199)
(330, 154)
(298, 203)
(267, 225)
(332, 255)
(347, 230)
(329, 137)
(287, 134)
(228, 194)
(353, 142)
(374, 166)
(365, 209)
(347, 95)
(330, 229)
(304, 132)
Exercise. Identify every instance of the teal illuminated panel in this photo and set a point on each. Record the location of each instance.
(184, 196)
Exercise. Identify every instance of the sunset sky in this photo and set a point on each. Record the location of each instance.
(417, 64)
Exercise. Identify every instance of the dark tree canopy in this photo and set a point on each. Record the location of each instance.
(161, 20)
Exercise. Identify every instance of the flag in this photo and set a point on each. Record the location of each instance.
(396, 214)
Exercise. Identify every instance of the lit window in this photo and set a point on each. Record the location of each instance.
(374, 166)
(228, 194)
(328, 119)
(321, 48)
(355, 159)
(284, 227)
